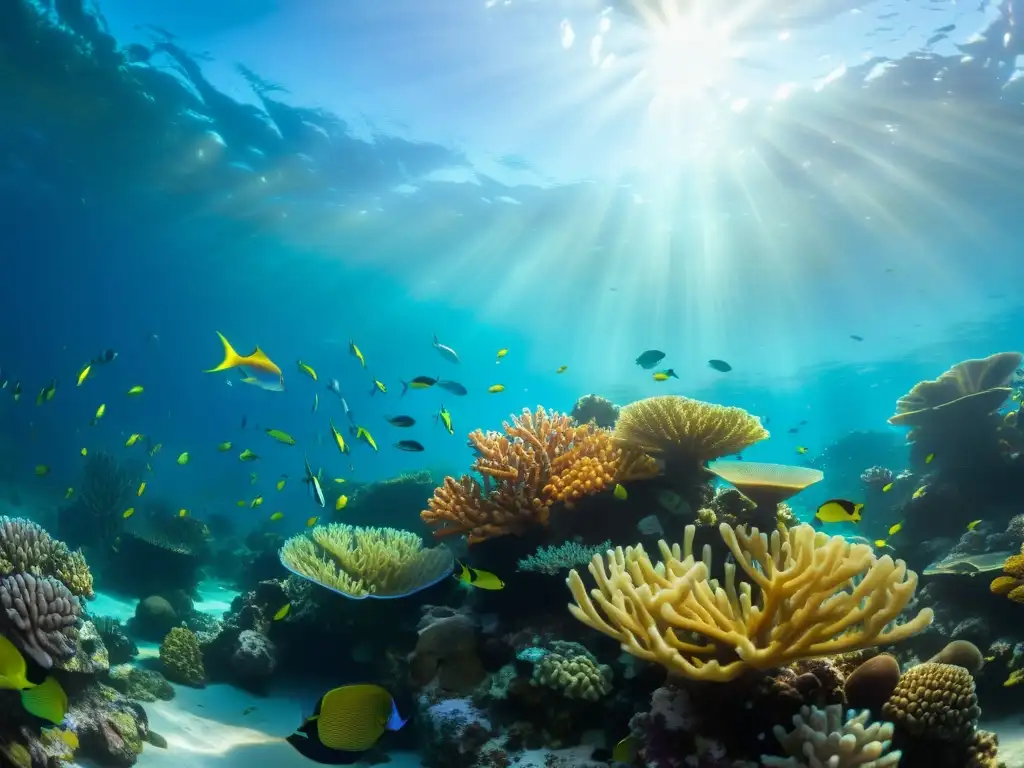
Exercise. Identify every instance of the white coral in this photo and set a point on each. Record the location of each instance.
(823, 738)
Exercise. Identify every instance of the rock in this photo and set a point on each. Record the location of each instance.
(254, 659)
(120, 648)
(90, 657)
(110, 727)
(154, 618)
(141, 684)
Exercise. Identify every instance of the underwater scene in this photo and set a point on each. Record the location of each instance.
(507, 383)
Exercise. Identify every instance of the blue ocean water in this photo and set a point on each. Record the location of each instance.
(824, 195)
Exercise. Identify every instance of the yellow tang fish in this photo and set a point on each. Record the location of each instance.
(47, 700)
(84, 374)
(562, 369)
(801, 450)
(225, 446)
(338, 439)
(258, 501)
(136, 390)
(280, 484)
(128, 513)
(42, 470)
(182, 512)
(70, 492)
(259, 369)
(247, 455)
(887, 487)
(973, 524)
(84, 451)
(183, 458)
(894, 529)
(100, 411)
(312, 521)
(620, 492)
(306, 369)
(142, 488)
(929, 458)
(474, 577)
(665, 375)
(839, 511)
(919, 492)
(626, 750)
(281, 437)
(282, 611)
(356, 353)
(132, 439)
(341, 503)
(882, 544)
(277, 516)
(495, 388)
(363, 434)
(501, 353)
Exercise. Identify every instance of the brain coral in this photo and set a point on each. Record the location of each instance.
(40, 616)
(935, 700)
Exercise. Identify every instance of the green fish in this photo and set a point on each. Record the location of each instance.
(281, 437)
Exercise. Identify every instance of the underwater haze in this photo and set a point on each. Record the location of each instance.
(346, 341)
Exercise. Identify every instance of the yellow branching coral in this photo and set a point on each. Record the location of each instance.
(540, 458)
(366, 562)
(816, 595)
(687, 430)
(1011, 583)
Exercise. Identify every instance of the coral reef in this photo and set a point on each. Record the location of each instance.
(570, 669)
(110, 727)
(827, 737)
(181, 658)
(596, 410)
(40, 616)
(140, 684)
(765, 486)
(26, 548)
(819, 595)
(361, 562)
(541, 458)
(937, 700)
(120, 648)
(561, 557)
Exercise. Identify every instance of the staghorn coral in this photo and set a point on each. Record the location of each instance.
(40, 616)
(573, 671)
(561, 557)
(687, 431)
(360, 562)
(181, 657)
(817, 595)
(936, 701)
(26, 547)
(826, 738)
(541, 458)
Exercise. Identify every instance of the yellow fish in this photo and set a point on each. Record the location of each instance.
(182, 512)
(282, 611)
(919, 492)
(84, 451)
(99, 412)
(887, 487)
(247, 455)
(495, 388)
(973, 524)
(626, 750)
(929, 458)
(225, 446)
(1016, 678)
(312, 521)
(446, 419)
(128, 512)
(801, 450)
(46, 700)
(341, 502)
(70, 492)
(142, 488)
(306, 369)
(665, 375)
(259, 369)
(378, 385)
(562, 369)
(839, 511)
(339, 479)
(362, 434)
(258, 501)
(281, 437)
(132, 439)
(355, 351)
(46, 394)
(136, 390)
(620, 492)
(894, 529)
(338, 439)
(84, 374)
(280, 484)
(183, 458)
(276, 516)
(501, 353)
(474, 577)
(42, 470)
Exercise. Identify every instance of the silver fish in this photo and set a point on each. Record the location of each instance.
(445, 351)
(316, 401)
(335, 387)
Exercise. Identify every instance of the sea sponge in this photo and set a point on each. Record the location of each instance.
(40, 616)
(872, 683)
(936, 701)
(687, 431)
(25, 547)
(181, 658)
(360, 562)
(446, 648)
(827, 738)
(573, 671)
(819, 595)
(541, 458)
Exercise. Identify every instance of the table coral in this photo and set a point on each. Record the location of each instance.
(541, 458)
(25, 547)
(40, 616)
(360, 562)
(181, 658)
(817, 595)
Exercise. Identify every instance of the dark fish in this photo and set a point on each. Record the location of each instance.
(720, 365)
(452, 386)
(420, 382)
(793, 430)
(855, 337)
(106, 356)
(409, 445)
(650, 358)
(401, 421)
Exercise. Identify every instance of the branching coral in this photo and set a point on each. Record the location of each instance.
(26, 547)
(687, 431)
(541, 458)
(561, 557)
(40, 616)
(826, 738)
(362, 562)
(818, 595)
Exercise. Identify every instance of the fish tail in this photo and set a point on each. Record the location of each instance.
(405, 388)
(231, 358)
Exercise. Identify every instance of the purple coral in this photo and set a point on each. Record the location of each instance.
(876, 476)
(40, 616)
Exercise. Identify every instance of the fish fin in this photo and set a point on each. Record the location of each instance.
(405, 388)
(231, 358)
(46, 701)
(12, 664)
(395, 719)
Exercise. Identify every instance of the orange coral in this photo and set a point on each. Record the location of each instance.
(1011, 583)
(541, 458)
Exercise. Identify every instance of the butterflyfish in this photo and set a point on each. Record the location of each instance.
(42, 470)
(973, 524)
(929, 458)
(182, 458)
(258, 369)
(277, 516)
(887, 487)
(341, 503)
(562, 369)
(225, 446)
(894, 529)
(474, 577)
(142, 488)
(46, 700)
(132, 439)
(346, 722)
(280, 484)
(839, 511)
